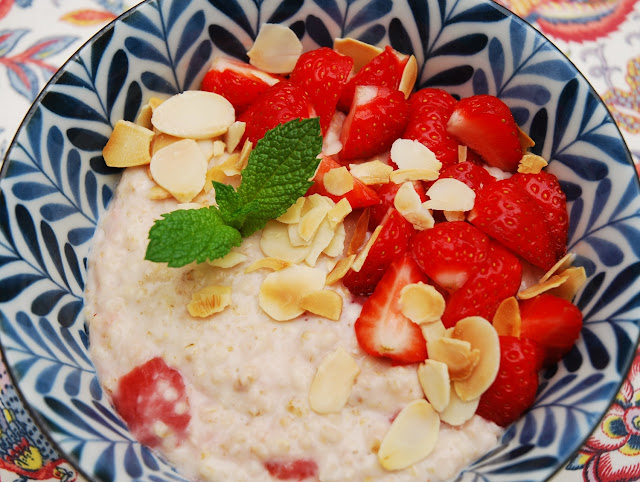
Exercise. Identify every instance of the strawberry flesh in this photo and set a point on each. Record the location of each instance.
(473, 175)
(292, 469)
(387, 194)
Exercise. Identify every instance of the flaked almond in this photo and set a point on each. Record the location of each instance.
(543, 286)
(325, 303)
(408, 203)
(531, 164)
(403, 175)
(338, 181)
(144, 117)
(281, 291)
(128, 145)
(431, 331)
(362, 255)
(315, 201)
(458, 355)
(162, 140)
(213, 174)
(563, 263)
(409, 76)
(194, 114)
(361, 53)
(525, 141)
(462, 153)
(576, 277)
(410, 154)
(273, 264)
(233, 135)
(311, 221)
(411, 437)
(210, 300)
(483, 337)
(292, 215)
(229, 260)
(336, 247)
(359, 234)
(157, 193)
(275, 50)
(276, 243)
(454, 215)
(294, 236)
(338, 212)
(372, 172)
(340, 269)
(206, 146)
(180, 168)
(333, 381)
(222, 63)
(434, 379)
(243, 160)
(449, 194)
(321, 241)
(458, 411)
(421, 303)
(507, 321)
(218, 148)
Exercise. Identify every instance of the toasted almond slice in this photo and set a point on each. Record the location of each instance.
(403, 175)
(333, 381)
(338, 212)
(315, 201)
(275, 50)
(311, 221)
(273, 264)
(359, 233)
(231, 259)
(144, 117)
(434, 379)
(409, 76)
(281, 291)
(157, 193)
(362, 255)
(561, 264)
(421, 303)
(576, 277)
(507, 320)
(275, 243)
(410, 154)
(292, 216)
(340, 269)
(449, 194)
(219, 148)
(210, 300)
(408, 203)
(325, 303)
(128, 145)
(458, 355)
(195, 114)
(336, 246)
(454, 215)
(483, 337)
(243, 160)
(371, 172)
(321, 241)
(431, 331)
(542, 287)
(462, 153)
(531, 164)
(411, 437)
(361, 53)
(154, 102)
(525, 141)
(206, 146)
(458, 411)
(161, 140)
(338, 181)
(233, 135)
(213, 174)
(180, 168)
(294, 236)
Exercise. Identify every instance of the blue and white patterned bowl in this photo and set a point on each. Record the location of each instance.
(55, 185)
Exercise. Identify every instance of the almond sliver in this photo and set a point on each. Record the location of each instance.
(361, 53)
(292, 216)
(362, 255)
(413, 155)
(311, 221)
(561, 264)
(233, 135)
(273, 264)
(338, 181)
(336, 246)
(458, 355)
(371, 172)
(506, 320)
(359, 233)
(210, 300)
(458, 411)
(276, 243)
(409, 76)
(231, 259)
(325, 303)
(576, 277)
(403, 175)
(408, 203)
(338, 212)
(450, 194)
(321, 241)
(332, 383)
(180, 168)
(435, 382)
(421, 303)
(128, 145)
(340, 269)
(275, 50)
(531, 164)
(541, 287)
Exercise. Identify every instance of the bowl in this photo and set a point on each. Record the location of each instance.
(55, 185)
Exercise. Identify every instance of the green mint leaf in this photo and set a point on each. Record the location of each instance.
(188, 235)
(229, 204)
(278, 171)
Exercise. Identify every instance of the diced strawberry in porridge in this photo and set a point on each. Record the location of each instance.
(292, 469)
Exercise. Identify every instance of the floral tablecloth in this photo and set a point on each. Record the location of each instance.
(601, 37)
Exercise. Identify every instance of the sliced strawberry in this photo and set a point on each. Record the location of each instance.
(323, 73)
(515, 387)
(240, 83)
(507, 213)
(280, 103)
(292, 469)
(429, 112)
(381, 329)
(384, 70)
(545, 189)
(485, 124)
(361, 196)
(497, 277)
(553, 322)
(387, 194)
(392, 243)
(473, 175)
(377, 117)
(149, 394)
(450, 253)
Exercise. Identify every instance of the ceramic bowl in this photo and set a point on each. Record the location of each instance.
(55, 186)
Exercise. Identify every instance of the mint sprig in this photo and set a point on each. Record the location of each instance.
(277, 174)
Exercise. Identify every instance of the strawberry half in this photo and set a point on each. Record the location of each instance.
(553, 322)
(507, 213)
(387, 194)
(514, 389)
(450, 253)
(391, 244)
(377, 117)
(323, 73)
(497, 277)
(381, 329)
(485, 124)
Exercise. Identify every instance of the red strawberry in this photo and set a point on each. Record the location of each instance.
(485, 124)
(280, 103)
(381, 329)
(429, 112)
(474, 176)
(377, 118)
(323, 73)
(240, 83)
(497, 277)
(450, 253)
(553, 322)
(392, 243)
(507, 213)
(360, 196)
(294, 469)
(387, 194)
(545, 189)
(384, 70)
(514, 389)
(150, 393)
